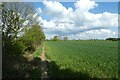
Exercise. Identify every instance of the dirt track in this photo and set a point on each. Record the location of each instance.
(43, 65)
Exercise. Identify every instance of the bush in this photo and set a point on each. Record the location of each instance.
(12, 47)
(33, 37)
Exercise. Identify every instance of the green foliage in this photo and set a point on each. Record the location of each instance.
(13, 17)
(55, 38)
(38, 51)
(15, 64)
(33, 37)
(97, 58)
(113, 39)
(11, 47)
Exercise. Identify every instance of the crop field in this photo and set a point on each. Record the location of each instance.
(85, 59)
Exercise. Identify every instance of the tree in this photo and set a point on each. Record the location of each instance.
(55, 38)
(113, 39)
(65, 38)
(13, 16)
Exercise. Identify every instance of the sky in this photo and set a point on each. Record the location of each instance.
(83, 19)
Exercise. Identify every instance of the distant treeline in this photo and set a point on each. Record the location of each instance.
(65, 38)
(113, 39)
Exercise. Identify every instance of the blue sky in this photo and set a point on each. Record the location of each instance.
(103, 9)
(103, 6)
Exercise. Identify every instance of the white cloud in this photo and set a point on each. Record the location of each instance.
(39, 19)
(95, 34)
(39, 10)
(53, 8)
(69, 21)
(56, 9)
(85, 5)
(48, 25)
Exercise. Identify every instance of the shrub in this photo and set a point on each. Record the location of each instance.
(33, 37)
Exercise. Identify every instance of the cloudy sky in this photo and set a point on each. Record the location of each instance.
(83, 19)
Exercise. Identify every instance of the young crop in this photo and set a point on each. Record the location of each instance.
(83, 58)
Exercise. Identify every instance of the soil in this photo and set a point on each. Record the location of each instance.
(44, 69)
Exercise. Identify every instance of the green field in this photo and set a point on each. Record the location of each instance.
(92, 59)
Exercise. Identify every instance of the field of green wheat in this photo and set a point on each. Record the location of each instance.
(92, 59)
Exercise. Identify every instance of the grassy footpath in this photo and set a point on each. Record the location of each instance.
(38, 51)
(83, 59)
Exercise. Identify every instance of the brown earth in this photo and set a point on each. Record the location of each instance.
(44, 69)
